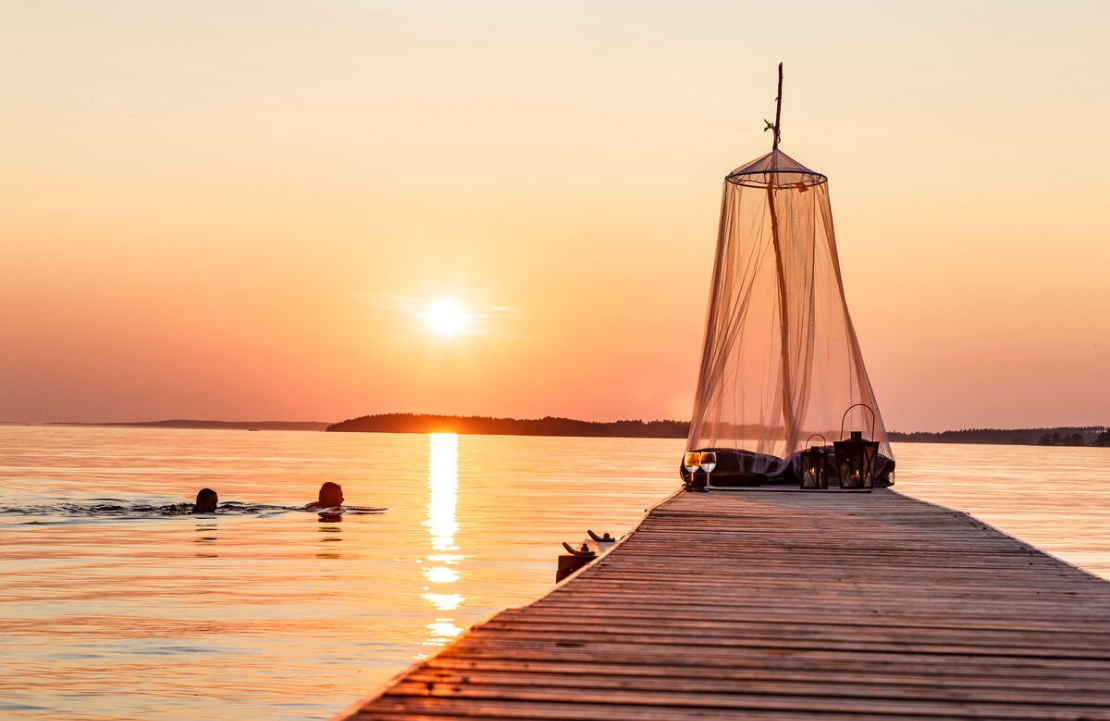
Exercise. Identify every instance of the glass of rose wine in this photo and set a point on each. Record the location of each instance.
(692, 462)
(708, 463)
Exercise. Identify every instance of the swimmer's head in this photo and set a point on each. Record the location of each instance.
(331, 495)
(206, 501)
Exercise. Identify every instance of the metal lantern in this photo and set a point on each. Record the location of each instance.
(855, 457)
(815, 467)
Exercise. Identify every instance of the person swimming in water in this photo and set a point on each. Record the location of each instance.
(331, 496)
(206, 501)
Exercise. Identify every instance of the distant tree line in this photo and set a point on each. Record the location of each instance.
(1070, 436)
(554, 426)
(1055, 439)
(481, 425)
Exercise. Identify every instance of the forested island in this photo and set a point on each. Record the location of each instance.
(480, 425)
(553, 426)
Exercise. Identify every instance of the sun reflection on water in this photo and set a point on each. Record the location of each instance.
(444, 601)
(439, 574)
(443, 485)
(443, 630)
(443, 481)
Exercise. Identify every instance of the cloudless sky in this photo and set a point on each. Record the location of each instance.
(240, 210)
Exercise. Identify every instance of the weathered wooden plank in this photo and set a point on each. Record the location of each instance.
(585, 629)
(507, 710)
(843, 686)
(651, 614)
(911, 670)
(740, 702)
(992, 676)
(966, 660)
(783, 606)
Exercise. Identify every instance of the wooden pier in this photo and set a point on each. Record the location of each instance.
(786, 605)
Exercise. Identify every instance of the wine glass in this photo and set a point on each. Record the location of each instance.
(708, 463)
(691, 462)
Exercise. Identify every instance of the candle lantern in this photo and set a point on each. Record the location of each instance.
(815, 466)
(855, 457)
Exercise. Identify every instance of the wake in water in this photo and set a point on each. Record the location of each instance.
(117, 508)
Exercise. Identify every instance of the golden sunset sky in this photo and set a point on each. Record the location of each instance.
(243, 210)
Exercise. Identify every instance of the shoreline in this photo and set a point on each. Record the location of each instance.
(1060, 436)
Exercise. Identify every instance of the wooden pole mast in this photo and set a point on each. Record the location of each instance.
(778, 111)
(791, 437)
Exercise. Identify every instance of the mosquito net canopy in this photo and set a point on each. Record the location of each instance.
(781, 366)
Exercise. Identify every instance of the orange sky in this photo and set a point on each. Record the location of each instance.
(238, 211)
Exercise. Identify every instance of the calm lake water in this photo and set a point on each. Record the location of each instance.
(116, 605)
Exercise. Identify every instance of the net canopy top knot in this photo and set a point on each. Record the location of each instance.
(776, 169)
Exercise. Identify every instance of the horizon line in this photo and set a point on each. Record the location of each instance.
(1090, 427)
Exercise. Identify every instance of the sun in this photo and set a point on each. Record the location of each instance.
(447, 318)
